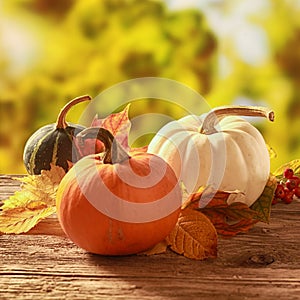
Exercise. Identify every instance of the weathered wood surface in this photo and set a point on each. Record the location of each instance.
(261, 264)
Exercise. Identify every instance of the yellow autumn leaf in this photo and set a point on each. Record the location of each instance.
(194, 236)
(34, 202)
(36, 188)
(21, 220)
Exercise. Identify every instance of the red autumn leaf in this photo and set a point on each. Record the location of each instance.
(118, 124)
(228, 219)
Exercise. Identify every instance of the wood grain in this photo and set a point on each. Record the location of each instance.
(261, 264)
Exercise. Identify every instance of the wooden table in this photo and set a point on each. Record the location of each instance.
(261, 264)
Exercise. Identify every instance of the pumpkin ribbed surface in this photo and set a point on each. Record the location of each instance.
(232, 157)
(119, 208)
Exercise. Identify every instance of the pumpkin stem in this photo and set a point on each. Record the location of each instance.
(61, 119)
(215, 115)
(114, 152)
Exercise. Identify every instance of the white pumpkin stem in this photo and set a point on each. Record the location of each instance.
(114, 152)
(218, 113)
(61, 119)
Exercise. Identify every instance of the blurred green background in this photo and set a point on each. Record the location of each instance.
(235, 51)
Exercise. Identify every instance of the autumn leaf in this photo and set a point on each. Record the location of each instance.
(21, 220)
(194, 236)
(229, 217)
(263, 204)
(204, 195)
(118, 124)
(34, 202)
(159, 248)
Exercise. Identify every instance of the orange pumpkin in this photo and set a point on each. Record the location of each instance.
(118, 204)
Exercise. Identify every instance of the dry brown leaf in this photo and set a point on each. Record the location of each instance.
(159, 248)
(194, 236)
(34, 202)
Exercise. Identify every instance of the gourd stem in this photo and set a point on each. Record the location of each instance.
(215, 115)
(114, 152)
(61, 119)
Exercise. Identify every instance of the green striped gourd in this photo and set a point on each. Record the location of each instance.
(53, 143)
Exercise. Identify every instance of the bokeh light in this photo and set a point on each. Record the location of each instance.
(237, 51)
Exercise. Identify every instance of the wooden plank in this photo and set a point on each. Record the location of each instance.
(8, 185)
(59, 287)
(63, 270)
(261, 264)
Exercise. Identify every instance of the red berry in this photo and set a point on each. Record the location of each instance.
(297, 192)
(297, 179)
(292, 183)
(288, 200)
(279, 192)
(288, 173)
(288, 191)
(289, 194)
(275, 201)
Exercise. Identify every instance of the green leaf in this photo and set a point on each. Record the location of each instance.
(263, 204)
(294, 165)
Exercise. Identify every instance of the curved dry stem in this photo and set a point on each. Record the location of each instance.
(61, 118)
(215, 115)
(114, 152)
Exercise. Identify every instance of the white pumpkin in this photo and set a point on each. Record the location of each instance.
(218, 149)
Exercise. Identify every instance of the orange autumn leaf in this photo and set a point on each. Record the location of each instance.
(194, 236)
